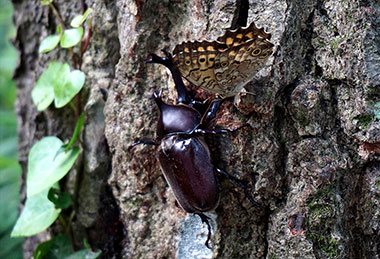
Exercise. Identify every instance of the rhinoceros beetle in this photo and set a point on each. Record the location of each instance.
(183, 155)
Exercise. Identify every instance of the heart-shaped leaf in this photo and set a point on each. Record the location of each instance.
(43, 92)
(37, 215)
(47, 164)
(57, 82)
(79, 19)
(49, 43)
(71, 37)
(68, 87)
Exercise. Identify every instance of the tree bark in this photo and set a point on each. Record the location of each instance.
(311, 155)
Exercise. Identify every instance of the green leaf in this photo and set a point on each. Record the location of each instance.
(8, 53)
(49, 43)
(68, 87)
(8, 60)
(59, 29)
(85, 253)
(9, 203)
(57, 247)
(46, 2)
(86, 244)
(78, 128)
(45, 167)
(57, 83)
(10, 172)
(43, 92)
(10, 248)
(79, 19)
(61, 200)
(71, 37)
(37, 215)
(6, 21)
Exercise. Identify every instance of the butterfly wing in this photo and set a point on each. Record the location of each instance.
(195, 61)
(224, 66)
(237, 65)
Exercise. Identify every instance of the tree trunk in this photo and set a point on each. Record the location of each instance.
(311, 156)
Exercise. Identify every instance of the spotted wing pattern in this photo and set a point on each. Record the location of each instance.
(224, 66)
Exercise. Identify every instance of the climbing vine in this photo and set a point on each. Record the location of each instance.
(50, 159)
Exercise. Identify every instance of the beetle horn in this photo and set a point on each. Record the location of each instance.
(167, 61)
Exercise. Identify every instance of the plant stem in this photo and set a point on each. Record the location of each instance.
(56, 13)
(83, 6)
(84, 45)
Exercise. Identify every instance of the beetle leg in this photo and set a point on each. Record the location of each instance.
(143, 141)
(211, 111)
(205, 219)
(219, 131)
(204, 131)
(240, 184)
(183, 96)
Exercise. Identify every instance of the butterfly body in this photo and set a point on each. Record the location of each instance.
(224, 66)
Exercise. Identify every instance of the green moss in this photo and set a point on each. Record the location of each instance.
(377, 184)
(320, 223)
(327, 192)
(137, 201)
(365, 120)
(318, 210)
(332, 248)
(335, 44)
(272, 256)
(302, 117)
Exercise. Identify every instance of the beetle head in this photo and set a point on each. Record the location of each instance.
(175, 118)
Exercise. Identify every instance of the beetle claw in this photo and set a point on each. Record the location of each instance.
(157, 95)
(205, 219)
(157, 98)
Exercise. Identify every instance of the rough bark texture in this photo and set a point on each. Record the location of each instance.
(311, 157)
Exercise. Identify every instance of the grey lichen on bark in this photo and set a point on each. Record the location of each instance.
(311, 155)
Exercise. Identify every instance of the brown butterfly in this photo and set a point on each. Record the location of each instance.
(224, 66)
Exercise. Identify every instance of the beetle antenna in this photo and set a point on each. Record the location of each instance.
(205, 219)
